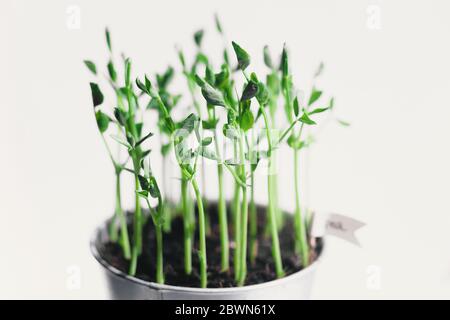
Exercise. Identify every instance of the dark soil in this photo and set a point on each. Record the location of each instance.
(261, 271)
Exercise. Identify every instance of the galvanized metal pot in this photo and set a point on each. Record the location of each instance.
(296, 286)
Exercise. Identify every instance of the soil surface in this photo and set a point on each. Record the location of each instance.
(261, 271)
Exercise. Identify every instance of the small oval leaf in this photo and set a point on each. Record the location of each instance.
(97, 95)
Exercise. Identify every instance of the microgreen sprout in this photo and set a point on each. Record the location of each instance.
(220, 114)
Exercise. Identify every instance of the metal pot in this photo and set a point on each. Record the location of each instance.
(296, 286)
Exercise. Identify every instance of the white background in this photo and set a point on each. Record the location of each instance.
(389, 169)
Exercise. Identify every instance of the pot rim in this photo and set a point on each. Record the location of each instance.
(167, 287)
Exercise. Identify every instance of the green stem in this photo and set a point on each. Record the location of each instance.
(167, 226)
(186, 227)
(301, 237)
(159, 254)
(124, 238)
(274, 233)
(137, 245)
(202, 235)
(272, 209)
(253, 222)
(280, 215)
(133, 262)
(223, 223)
(157, 217)
(166, 204)
(244, 218)
(236, 222)
(113, 228)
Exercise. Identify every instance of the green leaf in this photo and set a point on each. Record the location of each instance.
(141, 86)
(148, 84)
(284, 65)
(165, 148)
(184, 154)
(212, 95)
(242, 56)
(139, 127)
(295, 105)
(247, 120)
(143, 139)
(218, 24)
(295, 143)
(207, 153)
(318, 110)
(127, 169)
(108, 39)
(209, 125)
(200, 58)
(199, 81)
(181, 57)
(145, 153)
(145, 185)
(198, 36)
(91, 66)
(153, 188)
(186, 126)
(267, 59)
(263, 94)
(206, 141)
(164, 80)
(142, 194)
(230, 132)
(127, 72)
(306, 119)
(225, 56)
(315, 95)
(210, 77)
(102, 121)
(189, 123)
(222, 77)
(122, 142)
(123, 91)
(97, 95)
(120, 116)
(250, 90)
(112, 71)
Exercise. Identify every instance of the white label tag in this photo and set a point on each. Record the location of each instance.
(337, 225)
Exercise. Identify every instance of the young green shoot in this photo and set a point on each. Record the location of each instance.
(149, 189)
(103, 121)
(254, 88)
(225, 113)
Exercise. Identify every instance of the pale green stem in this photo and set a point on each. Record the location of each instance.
(159, 254)
(253, 222)
(236, 221)
(124, 238)
(202, 236)
(137, 245)
(276, 253)
(186, 227)
(244, 218)
(222, 210)
(300, 230)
